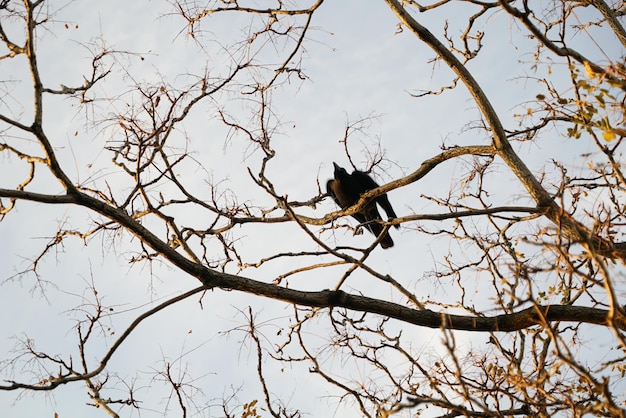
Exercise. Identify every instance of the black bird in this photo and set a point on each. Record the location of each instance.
(346, 189)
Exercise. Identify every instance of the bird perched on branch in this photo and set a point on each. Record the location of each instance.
(346, 189)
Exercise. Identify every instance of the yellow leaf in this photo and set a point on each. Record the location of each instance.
(608, 135)
(589, 70)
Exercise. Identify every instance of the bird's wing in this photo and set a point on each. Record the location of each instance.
(367, 183)
(340, 193)
(330, 190)
(344, 200)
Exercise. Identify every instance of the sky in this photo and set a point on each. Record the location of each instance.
(358, 66)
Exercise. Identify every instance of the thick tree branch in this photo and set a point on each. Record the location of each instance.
(214, 279)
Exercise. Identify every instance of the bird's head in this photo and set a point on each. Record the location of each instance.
(339, 171)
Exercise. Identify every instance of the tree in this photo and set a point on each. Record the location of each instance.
(174, 195)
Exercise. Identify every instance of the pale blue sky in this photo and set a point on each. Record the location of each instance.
(358, 66)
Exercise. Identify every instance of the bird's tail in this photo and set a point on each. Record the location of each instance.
(386, 241)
